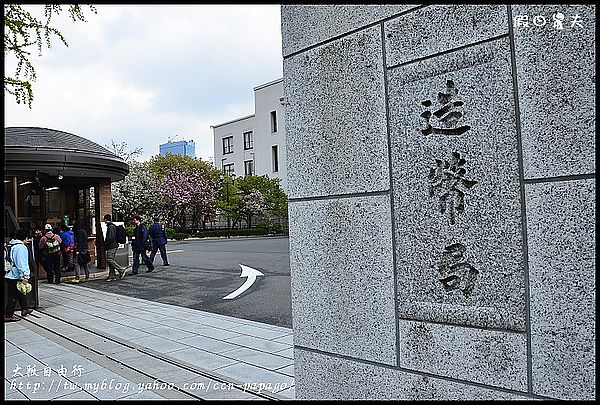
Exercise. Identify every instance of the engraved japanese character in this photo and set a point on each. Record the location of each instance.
(447, 182)
(455, 272)
(446, 115)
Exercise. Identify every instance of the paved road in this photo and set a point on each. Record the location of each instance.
(202, 272)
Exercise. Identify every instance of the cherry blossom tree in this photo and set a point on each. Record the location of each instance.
(188, 192)
(253, 203)
(136, 194)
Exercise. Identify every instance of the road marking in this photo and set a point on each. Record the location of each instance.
(169, 251)
(246, 272)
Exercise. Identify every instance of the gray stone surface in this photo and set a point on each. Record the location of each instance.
(306, 25)
(490, 226)
(342, 276)
(288, 370)
(141, 324)
(208, 344)
(335, 118)
(159, 344)
(215, 333)
(439, 28)
(286, 353)
(259, 344)
(561, 220)
(22, 335)
(490, 357)
(43, 349)
(319, 376)
(261, 332)
(127, 333)
(10, 349)
(261, 359)
(556, 74)
(202, 359)
(169, 333)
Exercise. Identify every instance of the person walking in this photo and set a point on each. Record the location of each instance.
(67, 246)
(110, 246)
(158, 234)
(19, 272)
(50, 245)
(82, 252)
(138, 245)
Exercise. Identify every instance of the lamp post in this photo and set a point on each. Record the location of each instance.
(222, 176)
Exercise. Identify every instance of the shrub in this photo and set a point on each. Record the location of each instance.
(271, 227)
(215, 233)
(170, 233)
(180, 236)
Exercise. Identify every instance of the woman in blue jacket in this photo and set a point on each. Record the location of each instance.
(67, 247)
(19, 255)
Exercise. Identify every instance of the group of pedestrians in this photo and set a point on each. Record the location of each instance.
(47, 245)
(143, 240)
(72, 245)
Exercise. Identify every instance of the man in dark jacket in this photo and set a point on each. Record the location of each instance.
(159, 241)
(82, 252)
(111, 246)
(138, 245)
(38, 254)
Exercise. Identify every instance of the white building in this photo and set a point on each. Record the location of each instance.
(255, 144)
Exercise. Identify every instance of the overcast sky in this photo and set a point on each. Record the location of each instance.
(144, 73)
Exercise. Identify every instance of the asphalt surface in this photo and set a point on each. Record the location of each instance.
(204, 271)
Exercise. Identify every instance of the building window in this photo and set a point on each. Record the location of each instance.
(228, 145)
(248, 167)
(228, 169)
(275, 158)
(248, 140)
(273, 121)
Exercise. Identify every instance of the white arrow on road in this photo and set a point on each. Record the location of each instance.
(246, 272)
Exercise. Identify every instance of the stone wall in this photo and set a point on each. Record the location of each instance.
(441, 175)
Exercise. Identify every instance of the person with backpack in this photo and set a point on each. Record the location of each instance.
(50, 245)
(110, 246)
(82, 252)
(67, 247)
(158, 234)
(140, 245)
(18, 258)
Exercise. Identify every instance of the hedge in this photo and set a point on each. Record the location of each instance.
(217, 233)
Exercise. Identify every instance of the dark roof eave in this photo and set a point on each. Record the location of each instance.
(68, 162)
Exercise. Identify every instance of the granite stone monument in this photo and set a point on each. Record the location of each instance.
(441, 175)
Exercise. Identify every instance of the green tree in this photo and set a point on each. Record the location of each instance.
(275, 198)
(163, 165)
(228, 200)
(22, 30)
